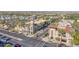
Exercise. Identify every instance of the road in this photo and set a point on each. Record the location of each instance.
(41, 32)
(27, 41)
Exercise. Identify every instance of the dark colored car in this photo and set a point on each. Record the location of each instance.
(17, 45)
(1, 44)
(0, 35)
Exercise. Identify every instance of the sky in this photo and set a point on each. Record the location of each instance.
(39, 5)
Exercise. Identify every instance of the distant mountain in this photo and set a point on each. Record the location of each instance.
(39, 12)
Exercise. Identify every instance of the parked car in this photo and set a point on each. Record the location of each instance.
(4, 39)
(17, 45)
(1, 44)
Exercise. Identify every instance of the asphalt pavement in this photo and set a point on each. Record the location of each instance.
(29, 41)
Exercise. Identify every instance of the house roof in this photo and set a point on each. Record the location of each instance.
(52, 26)
(55, 26)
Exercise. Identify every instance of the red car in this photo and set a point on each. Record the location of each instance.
(17, 45)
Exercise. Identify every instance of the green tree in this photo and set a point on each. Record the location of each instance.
(75, 38)
(61, 31)
(75, 25)
(8, 45)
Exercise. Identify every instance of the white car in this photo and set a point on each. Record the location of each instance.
(4, 39)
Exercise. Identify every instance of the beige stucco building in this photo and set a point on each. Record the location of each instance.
(60, 37)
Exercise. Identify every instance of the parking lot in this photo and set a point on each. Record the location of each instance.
(15, 40)
(8, 42)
